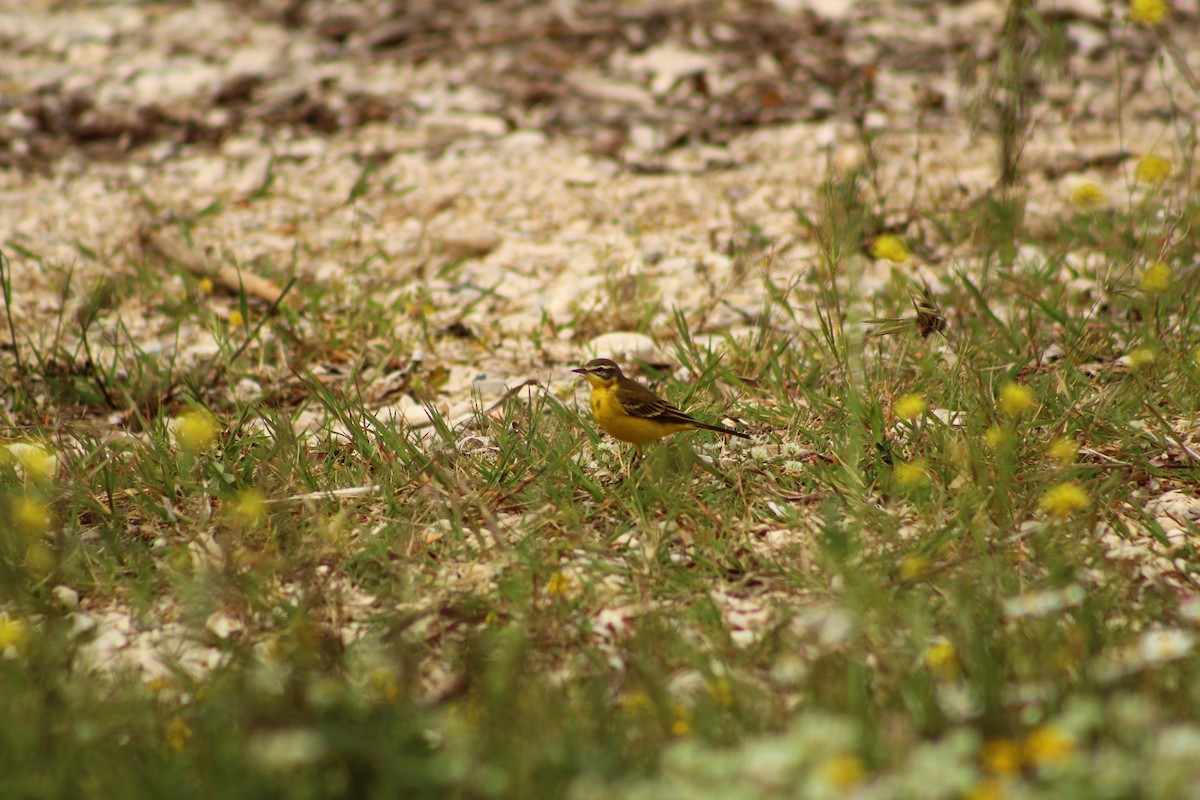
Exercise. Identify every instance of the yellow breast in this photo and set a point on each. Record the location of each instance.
(619, 425)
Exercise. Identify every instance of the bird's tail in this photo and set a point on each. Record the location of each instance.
(722, 429)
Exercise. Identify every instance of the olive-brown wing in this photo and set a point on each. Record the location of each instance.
(638, 401)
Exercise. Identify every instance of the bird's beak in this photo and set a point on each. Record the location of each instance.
(581, 370)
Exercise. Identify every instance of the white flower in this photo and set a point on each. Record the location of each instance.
(286, 749)
(1158, 647)
(1040, 604)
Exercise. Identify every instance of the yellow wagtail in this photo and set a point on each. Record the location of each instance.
(628, 411)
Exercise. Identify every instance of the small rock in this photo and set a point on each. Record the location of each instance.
(441, 127)
(247, 390)
(409, 413)
(624, 346)
(489, 388)
(66, 596)
(472, 243)
(223, 626)
(668, 64)
(524, 140)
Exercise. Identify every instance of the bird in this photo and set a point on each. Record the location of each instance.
(630, 412)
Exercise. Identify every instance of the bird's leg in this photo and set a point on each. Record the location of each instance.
(637, 457)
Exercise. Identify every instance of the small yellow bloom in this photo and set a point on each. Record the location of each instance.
(14, 632)
(1088, 196)
(1063, 500)
(914, 566)
(997, 437)
(249, 508)
(177, 734)
(911, 474)
(1156, 278)
(1049, 745)
(33, 461)
(942, 658)
(559, 585)
(891, 248)
(843, 771)
(721, 690)
(1152, 169)
(1015, 400)
(40, 560)
(910, 406)
(636, 702)
(384, 683)
(989, 789)
(205, 285)
(236, 320)
(1063, 450)
(681, 726)
(1141, 357)
(196, 431)
(31, 517)
(1149, 12)
(1001, 757)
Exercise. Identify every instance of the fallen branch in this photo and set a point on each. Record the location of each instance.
(171, 247)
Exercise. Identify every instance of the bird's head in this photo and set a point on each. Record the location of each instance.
(600, 372)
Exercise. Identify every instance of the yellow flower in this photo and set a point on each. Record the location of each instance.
(636, 702)
(236, 320)
(910, 474)
(1141, 357)
(1063, 450)
(1152, 169)
(33, 461)
(721, 691)
(1063, 500)
(942, 658)
(1015, 400)
(559, 585)
(195, 431)
(40, 560)
(681, 726)
(14, 632)
(384, 683)
(890, 247)
(205, 285)
(1001, 757)
(1156, 278)
(910, 406)
(31, 517)
(989, 789)
(1049, 745)
(843, 771)
(1149, 12)
(177, 734)
(996, 437)
(249, 508)
(913, 566)
(1087, 196)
